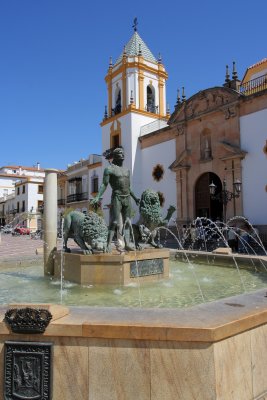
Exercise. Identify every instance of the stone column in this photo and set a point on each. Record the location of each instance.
(50, 220)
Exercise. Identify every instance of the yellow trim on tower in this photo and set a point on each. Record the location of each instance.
(161, 97)
(124, 104)
(141, 66)
(141, 89)
(131, 108)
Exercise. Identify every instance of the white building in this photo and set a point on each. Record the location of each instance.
(253, 139)
(21, 195)
(79, 183)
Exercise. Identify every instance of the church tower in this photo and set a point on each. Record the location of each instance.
(136, 87)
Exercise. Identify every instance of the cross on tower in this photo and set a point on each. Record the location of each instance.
(135, 23)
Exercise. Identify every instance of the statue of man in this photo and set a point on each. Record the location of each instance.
(119, 179)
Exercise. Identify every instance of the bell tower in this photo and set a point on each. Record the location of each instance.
(136, 88)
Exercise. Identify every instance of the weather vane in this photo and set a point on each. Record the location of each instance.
(135, 23)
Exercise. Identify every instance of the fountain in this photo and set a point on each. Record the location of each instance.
(214, 350)
(123, 264)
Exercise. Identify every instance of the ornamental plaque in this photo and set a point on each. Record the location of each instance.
(146, 267)
(28, 371)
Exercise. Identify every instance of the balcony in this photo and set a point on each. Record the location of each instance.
(254, 86)
(152, 109)
(71, 198)
(153, 126)
(13, 211)
(61, 202)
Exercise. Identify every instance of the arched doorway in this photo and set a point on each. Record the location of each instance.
(204, 205)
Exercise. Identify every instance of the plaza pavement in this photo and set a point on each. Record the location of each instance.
(17, 248)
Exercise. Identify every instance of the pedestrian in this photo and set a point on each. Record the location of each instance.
(232, 239)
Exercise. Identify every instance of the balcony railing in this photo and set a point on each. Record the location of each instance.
(13, 211)
(61, 202)
(153, 126)
(254, 86)
(152, 109)
(77, 197)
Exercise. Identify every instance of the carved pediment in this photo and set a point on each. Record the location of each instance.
(204, 102)
(232, 150)
(181, 162)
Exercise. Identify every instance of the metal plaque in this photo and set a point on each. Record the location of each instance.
(146, 267)
(28, 371)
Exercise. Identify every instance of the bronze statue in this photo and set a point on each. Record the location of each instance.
(89, 231)
(119, 179)
(146, 230)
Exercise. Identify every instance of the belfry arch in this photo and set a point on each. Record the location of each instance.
(150, 98)
(205, 206)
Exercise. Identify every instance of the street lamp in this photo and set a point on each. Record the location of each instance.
(225, 195)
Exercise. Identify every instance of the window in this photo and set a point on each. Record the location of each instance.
(23, 206)
(116, 141)
(18, 191)
(40, 189)
(40, 205)
(23, 189)
(18, 207)
(95, 184)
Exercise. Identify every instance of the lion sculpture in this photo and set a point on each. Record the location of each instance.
(89, 231)
(146, 230)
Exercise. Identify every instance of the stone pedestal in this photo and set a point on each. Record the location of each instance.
(146, 265)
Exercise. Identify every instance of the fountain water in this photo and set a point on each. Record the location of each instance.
(110, 342)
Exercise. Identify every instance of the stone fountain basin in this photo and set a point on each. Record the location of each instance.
(211, 351)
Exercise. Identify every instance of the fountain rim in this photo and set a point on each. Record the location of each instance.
(207, 323)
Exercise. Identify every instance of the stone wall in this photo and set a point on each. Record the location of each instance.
(214, 351)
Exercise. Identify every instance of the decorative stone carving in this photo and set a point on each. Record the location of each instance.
(180, 130)
(230, 111)
(203, 102)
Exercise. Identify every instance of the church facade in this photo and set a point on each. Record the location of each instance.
(216, 137)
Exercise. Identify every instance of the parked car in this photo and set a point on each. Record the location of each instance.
(21, 230)
(7, 229)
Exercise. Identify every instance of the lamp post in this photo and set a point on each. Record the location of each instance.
(225, 195)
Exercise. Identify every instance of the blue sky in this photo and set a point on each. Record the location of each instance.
(55, 54)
